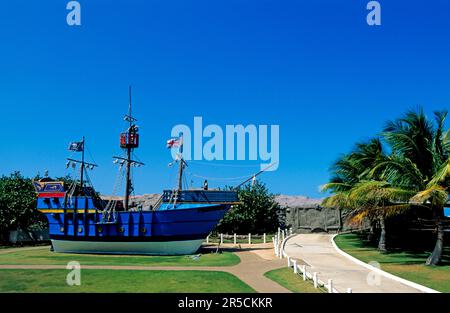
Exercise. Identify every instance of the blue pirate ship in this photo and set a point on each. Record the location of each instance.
(81, 222)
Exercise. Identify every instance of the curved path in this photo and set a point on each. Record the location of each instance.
(256, 260)
(318, 253)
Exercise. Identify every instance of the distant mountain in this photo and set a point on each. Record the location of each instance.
(285, 201)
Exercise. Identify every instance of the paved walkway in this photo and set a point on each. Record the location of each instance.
(317, 252)
(256, 260)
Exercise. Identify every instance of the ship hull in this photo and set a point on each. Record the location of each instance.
(176, 247)
(77, 226)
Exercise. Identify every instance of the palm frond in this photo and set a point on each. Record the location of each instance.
(441, 175)
(337, 201)
(436, 195)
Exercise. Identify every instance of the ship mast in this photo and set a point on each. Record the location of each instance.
(129, 140)
(79, 147)
(129, 149)
(180, 170)
(82, 166)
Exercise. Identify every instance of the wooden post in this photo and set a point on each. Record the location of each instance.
(221, 238)
(249, 238)
(315, 280)
(234, 239)
(264, 238)
(295, 266)
(330, 286)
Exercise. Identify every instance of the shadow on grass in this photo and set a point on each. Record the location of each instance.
(409, 251)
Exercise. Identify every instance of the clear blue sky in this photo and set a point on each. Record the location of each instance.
(313, 67)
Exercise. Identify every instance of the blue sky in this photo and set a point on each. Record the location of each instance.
(313, 67)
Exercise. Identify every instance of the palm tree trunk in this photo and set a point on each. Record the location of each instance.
(371, 234)
(382, 241)
(436, 255)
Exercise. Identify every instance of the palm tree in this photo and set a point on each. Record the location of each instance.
(420, 163)
(353, 183)
(378, 200)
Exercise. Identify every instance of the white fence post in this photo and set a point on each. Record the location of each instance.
(249, 238)
(282, 235)
(207, 239)
(234, 239)
(289, 261)
(278, 234)
(264, 238)
(221, 238)
(295, 266)
(304, 271)
(330, 286)
(280, 252)
(315, 280)
(349, 290)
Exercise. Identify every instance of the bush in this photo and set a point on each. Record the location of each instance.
(18, 205)
(257, 213)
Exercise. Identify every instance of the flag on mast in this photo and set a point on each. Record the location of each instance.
(76, 146)
(174, 142)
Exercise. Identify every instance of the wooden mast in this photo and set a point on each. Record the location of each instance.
(82, 166)
(180, 170)
(128, 160)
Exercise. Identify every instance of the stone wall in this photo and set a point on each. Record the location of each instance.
(313, 219)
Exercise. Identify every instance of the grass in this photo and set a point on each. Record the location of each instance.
(407, 264)
(286, 278)
(122, 281)
(38, 256)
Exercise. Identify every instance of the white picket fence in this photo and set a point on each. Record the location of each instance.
(249, 236)
(279, 242)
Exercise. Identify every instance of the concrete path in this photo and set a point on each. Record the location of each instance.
(256, 260)
(318, 253)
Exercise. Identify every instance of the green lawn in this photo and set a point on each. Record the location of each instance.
(286, 278)
(121, 281)
(405, 264)
(45, 256)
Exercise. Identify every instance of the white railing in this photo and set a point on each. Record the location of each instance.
(248, 237)
(279, 242)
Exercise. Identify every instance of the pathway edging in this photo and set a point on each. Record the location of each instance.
(381, 272)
